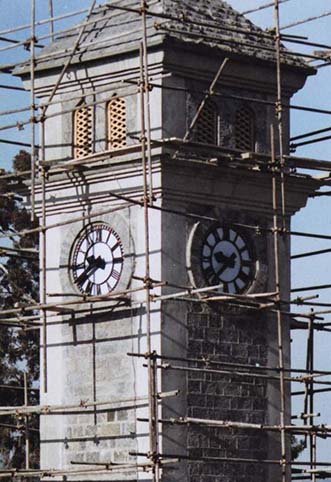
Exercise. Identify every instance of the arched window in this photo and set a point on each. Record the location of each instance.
(116, 123)
(83, 121)
(206, 126)
(244, 129)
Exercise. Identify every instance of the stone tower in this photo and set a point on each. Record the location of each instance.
(210, 225)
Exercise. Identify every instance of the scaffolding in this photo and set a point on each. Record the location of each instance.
(312, 380)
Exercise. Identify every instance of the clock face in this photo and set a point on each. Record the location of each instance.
(227, 259)
(96, 260)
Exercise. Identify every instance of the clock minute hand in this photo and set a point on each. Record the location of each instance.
(222, 269)
(86, 273)
(232, 259)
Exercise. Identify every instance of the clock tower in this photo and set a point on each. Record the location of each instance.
(161, 206)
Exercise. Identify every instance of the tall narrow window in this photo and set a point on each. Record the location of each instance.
(244, 130)
(116, 122)
(83, 120)
(206, 126)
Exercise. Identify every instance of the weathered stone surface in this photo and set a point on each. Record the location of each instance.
(221, 397)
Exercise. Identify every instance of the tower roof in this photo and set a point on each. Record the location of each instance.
(115, 28)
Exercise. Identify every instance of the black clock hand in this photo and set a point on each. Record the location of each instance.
(228, 261)
(86, 274)
(94, 265)
(232, 260)
(98, 262)
(222, 269)
(220, 257)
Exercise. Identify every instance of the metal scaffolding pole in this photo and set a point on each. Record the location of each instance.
(33, 107)
(51, 21)
(147, 281)
(278, 226)
(43, 264)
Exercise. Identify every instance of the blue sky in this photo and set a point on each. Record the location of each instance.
(316, 93)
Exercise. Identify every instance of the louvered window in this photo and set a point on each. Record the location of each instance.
(245, 129)
(116, 121)
(83, 121)
(206, 126)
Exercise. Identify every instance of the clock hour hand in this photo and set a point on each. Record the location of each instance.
(227, 261)
(98, 262)
(93, 265)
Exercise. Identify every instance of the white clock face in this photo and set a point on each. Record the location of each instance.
(227, 260)
(96, 260)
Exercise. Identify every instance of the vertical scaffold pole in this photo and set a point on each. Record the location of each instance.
(33, 107)
(51, 21)
(151, 394)
(312, 435)
(44, 254)
(27, 431)
(277, 228)
(279, 112)
(279, 315)
(144, 9)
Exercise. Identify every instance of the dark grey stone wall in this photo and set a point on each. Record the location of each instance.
(235, 339)
(226, 108)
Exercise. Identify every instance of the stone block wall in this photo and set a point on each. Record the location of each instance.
(95, 369)
(235, 339)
